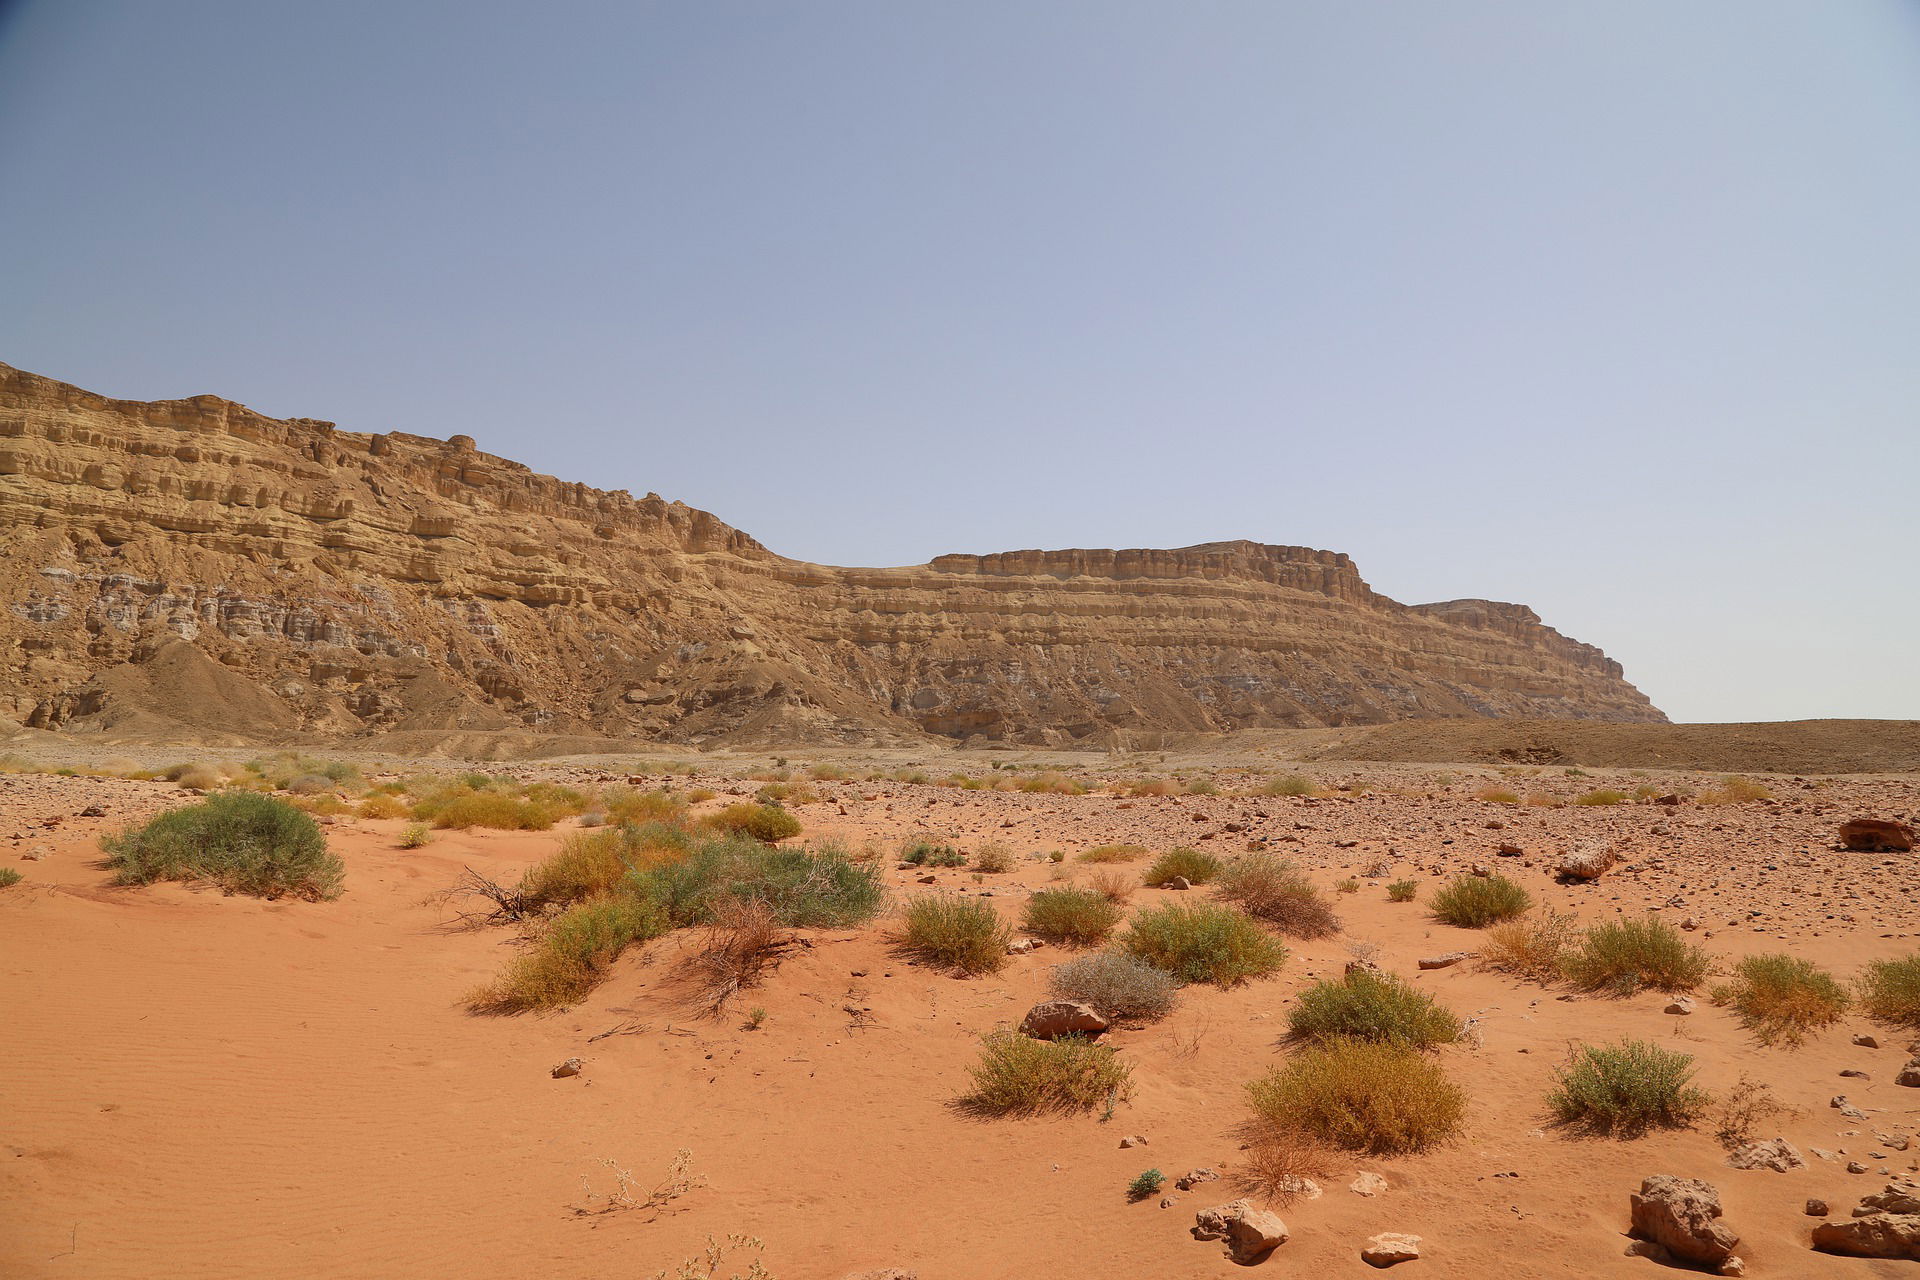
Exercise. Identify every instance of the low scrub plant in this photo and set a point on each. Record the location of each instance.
(1780, 998)
(1123, 988)
(242, 841)
(1291, 784)
(1603, 796)
(497, 810)
(572, 955)
(627, 805)
(1735, 790)
(9, 877)
(1496, 795)
(1625, 1089)
(1474, 902)
(1114, 853)
(1146, 1184)
(1349, 885)
(1374, 1097)
(963, 934)
(1366, 1005)
(418, 835)
(1890, 990)
(922, 853)
(1192, 865)
(381, 805)
(1403, 890)
(820, 889)
(1203, 942)
(1621, 957)
(1534, 947)
(1017, 1074)
(993, 859)
(1276, 891)
(767, 823)
(1114, 886)
(1082, 917)
(197, 777)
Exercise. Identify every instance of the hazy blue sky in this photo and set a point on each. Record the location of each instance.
(1609, 307)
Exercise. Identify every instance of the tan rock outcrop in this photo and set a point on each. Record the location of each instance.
(329, 584)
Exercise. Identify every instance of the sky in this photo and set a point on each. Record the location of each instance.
(1611, 308)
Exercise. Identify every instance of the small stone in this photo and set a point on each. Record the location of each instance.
(1817, 1209)
(571, 1067)
(1367, 1184)
(1179, 882)
(1909, 1075)
(1195, 1177)
(1866, 1042)
(1854, 1166)
(1445, 960)
(1133, 1140)
(1389, 1248)
(1051, 1019)
(1681, 1005)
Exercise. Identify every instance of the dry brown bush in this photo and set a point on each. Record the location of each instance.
(743, 942)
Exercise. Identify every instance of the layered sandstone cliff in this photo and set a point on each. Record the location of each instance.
(190, 565)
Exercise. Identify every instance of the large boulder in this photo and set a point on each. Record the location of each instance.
(1683, 1214)
(1051, 1019)
(1251, 1234)
(1899, 1197)
(1589, 862)
(1871, 835)
(1877, 1235)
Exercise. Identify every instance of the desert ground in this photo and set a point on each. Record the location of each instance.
(209, 1085)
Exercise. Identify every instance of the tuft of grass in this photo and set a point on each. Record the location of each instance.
(1123, 988)
(1146, 1184)
(624, 805)
(1365, 1005)
(382, 805)
(417, 836)
(1603, 796)
(1020, 1075)
(1275, 890)
(1196, 867)
(993, 859)
(1291, 784)
(1072, 915)
(1474, 902)
(1534, 948)
(1735, 790)
(1114, 853)
(572, 955)
(1203, 942)
(1403, 890)
(1496, 795)
(767, 823)
(9, 877)
(242, 841)
(961, 933)
(197, 777)
(1623, 956)
(1890, 990)
(1374, 1097)
(1780, 997)
(493, 809)
(1625, 1089)
(1349, 885)
(587, 865)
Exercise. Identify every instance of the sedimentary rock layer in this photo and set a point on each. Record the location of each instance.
(191, 564)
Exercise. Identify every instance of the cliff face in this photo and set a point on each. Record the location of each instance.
(193, 563)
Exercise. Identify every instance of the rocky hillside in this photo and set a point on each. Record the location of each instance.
(190, 568)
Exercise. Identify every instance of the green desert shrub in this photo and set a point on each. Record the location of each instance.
(1203, 942)
(243, 841)
(1349, 885)
(1890, 990)
(1474, 902)
(1124, 988)
(1625, 1089)
(587, 865)
(1369, 1096)
(572, 955)
(821, 888)
(1114, 853)
(497, 810)
(923, 853)
(1621, 957)
(1781, 997)
(1403, 890)
(1017, 1074)
(417, 836)
(1291, 784)
(1365, 1005)
(627, 805)
(1275, 890)
(1073, 915)
(1603, 796)
(1146, 1184)
(1194, 866)
(960, 933)
(767, 823)
(993, 859)
(9, 877)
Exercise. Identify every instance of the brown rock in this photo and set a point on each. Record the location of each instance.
(1873, 835)
(1589, 862)
(1051, 1019)
(1776, 1154)
(571, 1067)
(1878, 1235)
(1909, 1075)
(1389, 1248)
(1251, 1234)
(1683, 1215)
(1445, 961)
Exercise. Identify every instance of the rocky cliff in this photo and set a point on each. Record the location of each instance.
(190, 567)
